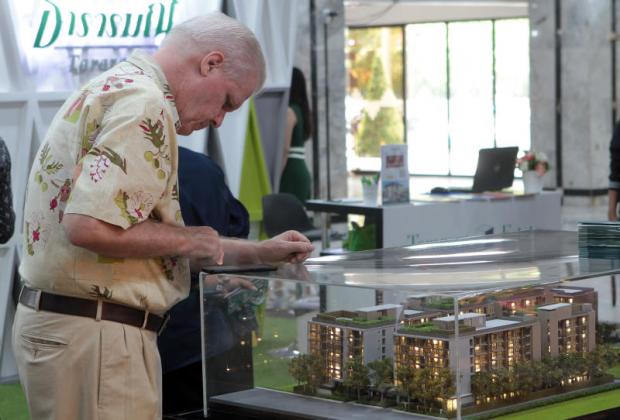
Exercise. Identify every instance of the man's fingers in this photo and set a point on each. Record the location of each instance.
(301, 247)
(297, 257)
(294, 236)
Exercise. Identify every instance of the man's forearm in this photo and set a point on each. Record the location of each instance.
(144, 240)
(239, 251)
(289, 246)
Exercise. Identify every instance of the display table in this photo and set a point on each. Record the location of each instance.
(438, 217)
(457, 310)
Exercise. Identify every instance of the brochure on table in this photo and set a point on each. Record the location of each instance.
(394, 174)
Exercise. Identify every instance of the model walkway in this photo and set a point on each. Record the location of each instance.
(269, 402)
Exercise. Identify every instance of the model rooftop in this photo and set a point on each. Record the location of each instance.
(409, 312)
(468, 315)
(497, 323)
(568, 291)
(554, 306)
(379, 307)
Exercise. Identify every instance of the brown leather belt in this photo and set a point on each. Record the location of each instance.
(68, 305)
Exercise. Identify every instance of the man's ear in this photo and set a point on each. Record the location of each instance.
(211, 61)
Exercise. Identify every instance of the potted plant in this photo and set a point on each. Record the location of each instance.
(534, 166)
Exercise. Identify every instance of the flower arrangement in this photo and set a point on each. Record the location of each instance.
(533, 161)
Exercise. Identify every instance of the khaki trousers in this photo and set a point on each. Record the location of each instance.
(78, 368)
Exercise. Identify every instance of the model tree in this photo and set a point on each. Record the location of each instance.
(315, 367)
(528, 376)
(418, 386)
(553, 373)
(298, 368)
(505, 382)
(405, 376)
(306, 370)
(481, 385)
(382, 374)
(574, 366)
(357, 375)
(444, 383)
(603, 357)
(495, 387)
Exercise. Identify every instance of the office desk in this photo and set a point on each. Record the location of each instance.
(437, 217)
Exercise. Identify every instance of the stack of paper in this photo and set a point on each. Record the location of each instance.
(599, 239)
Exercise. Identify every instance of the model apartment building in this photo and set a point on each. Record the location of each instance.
(493, 331)
(342, 335)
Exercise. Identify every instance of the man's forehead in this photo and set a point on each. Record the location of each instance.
(244, 90)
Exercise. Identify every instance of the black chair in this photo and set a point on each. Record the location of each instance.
(282, 212)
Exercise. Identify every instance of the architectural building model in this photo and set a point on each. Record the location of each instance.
(494, 331)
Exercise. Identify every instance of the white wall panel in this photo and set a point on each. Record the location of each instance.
(232, 134)
(274, 22)
(5, 82)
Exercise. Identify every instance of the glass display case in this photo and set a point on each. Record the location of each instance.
(443, 329)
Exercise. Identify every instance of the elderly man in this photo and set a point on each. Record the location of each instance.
(106, 253)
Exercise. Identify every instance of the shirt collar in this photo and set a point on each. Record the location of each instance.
(149, 66)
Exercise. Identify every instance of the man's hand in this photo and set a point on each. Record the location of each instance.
(204, 243)
(290, 246)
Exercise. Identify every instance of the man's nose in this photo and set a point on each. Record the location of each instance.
(217, 121)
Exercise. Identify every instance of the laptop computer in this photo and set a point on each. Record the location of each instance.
(495, 170)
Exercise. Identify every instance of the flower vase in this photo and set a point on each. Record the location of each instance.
(370, 193)
(532, 182)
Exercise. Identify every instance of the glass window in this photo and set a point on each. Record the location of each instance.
(467, 88)
(427, 100)
(471, 93)
(374, 103)
(512, 74)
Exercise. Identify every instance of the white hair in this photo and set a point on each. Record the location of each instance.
(217, 32)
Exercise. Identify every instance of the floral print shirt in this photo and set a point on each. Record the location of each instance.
(7, 216)
(110, 153)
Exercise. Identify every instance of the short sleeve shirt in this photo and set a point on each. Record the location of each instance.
(110, 153)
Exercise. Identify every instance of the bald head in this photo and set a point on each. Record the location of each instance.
(212, 64)
(215, 31)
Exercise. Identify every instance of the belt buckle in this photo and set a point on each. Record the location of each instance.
(37, 299)
(162, 327)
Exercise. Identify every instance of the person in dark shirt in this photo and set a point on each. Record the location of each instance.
(7, 215)
(614, 174)
(205, 201)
